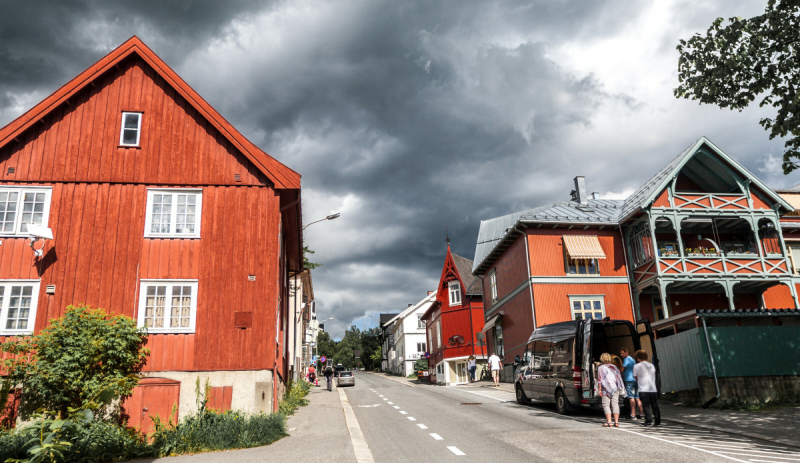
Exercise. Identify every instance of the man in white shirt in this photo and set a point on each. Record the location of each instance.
(645, 374)
(496, 366)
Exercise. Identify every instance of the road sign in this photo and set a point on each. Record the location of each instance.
(314, 359)
(323, 359)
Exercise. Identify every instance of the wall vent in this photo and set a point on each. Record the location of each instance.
(50, 289)
(237, 177)
(251, 278)
(11, 170)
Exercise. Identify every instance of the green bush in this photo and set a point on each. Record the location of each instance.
(294, 397)
(218, 431)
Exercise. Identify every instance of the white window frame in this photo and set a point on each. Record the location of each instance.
(148, 221)
(493, 286)
(420, 322)
(169, 284)
(7, 284)
(138, 128)
(421, 347)
(454, 289)
(21, 191)
(587, 298)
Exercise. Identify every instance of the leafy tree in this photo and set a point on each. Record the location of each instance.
(371, 342)
(344, 349)
(748, 59)
(375, 359)
(326, 347)
(75, 358)
(421, 364)
(306, 263)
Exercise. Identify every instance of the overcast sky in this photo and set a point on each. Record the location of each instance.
(411, 118)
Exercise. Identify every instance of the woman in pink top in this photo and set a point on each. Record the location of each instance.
(611, 387)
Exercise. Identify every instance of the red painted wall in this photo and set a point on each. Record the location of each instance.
(547, 251)
(98, 254)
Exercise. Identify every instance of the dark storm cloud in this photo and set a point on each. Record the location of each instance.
(409, 117)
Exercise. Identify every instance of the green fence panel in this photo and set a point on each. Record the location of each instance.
(753, 350)
(680, 360)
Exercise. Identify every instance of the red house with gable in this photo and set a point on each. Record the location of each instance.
(453, 321)
(159, 210)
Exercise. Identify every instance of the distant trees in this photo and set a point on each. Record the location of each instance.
(343, 352)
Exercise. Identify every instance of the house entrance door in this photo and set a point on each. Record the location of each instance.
(461, 372)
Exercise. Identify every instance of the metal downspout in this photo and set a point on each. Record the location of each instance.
(530, 285)
(628, 272)
(713, 368)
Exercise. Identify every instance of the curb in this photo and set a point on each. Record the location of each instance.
(735, 432)
(404, 382)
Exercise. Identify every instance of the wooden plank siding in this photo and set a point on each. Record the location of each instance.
(547, 253)
(97, 213)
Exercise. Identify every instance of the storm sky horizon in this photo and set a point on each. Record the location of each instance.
(414, 118)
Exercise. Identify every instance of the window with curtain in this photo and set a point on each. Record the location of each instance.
(173, 213)
(168, 306)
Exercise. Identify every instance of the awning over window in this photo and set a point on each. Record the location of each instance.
(491, 322)
(791, 198)
(583, 247)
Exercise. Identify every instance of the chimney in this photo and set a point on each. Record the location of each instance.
(580, 190)
(410, 305)
(430, 292)
(596, 195)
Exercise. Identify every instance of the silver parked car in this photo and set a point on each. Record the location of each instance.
(345, 378)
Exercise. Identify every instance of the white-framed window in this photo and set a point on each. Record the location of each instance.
(168, 306)
(18, 300)
(421, 347)
(22, 206)
(587, 307)
(493, 286)
(455, 292)
(131, 130)
(420, 322)
(173, 213)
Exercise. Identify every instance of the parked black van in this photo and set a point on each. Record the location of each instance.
(560, 362)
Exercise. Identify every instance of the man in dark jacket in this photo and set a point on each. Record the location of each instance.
(329, 377)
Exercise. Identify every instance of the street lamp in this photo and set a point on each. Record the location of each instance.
(330, 217)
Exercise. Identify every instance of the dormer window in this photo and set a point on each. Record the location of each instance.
(455, 292)
(131, 129)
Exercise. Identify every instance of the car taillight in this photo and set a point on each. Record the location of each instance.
(576, 377)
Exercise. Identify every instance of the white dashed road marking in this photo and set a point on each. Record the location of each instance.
(436, 436)
(390, 403)
(411, 418)
(422, 426)
(396, 407)
(455, 450)
(403, 413)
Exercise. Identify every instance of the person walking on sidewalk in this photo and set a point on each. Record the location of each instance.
(329, 377)
(472, 365)
(645, 374)
(611, 388)
(496, 366)
(631, 387)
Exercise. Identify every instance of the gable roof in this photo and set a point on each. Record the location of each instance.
(281, 176)
(495, 232)
(472, 284)
(423, 304)
(648, 192)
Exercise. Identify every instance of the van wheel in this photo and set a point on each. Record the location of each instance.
(561, 402)
(521, 398)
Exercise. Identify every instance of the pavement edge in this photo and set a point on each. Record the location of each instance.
(360, 447)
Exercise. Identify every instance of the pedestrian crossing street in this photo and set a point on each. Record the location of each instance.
(724, 445)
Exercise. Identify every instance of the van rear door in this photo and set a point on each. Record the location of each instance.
(647, 344)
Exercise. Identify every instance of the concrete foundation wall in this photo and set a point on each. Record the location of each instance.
(252, 389)
(750, 390)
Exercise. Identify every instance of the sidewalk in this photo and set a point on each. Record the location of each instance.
(779, 425)
(317, 432)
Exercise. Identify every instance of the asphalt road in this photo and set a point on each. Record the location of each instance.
(402, 423)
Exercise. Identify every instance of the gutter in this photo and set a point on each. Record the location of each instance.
(713, 368)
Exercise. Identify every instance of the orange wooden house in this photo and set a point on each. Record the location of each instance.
(703, 234)
(453, 321)
(159, 210)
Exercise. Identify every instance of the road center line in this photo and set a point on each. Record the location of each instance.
(422, 426)
(396, 407)
(403, 413)
(411, 418)
(360, 447)
(455, 450)
(436, 436)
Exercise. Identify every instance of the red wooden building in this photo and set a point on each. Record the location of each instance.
(162, 211)
(703, 233)
(453, 321)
